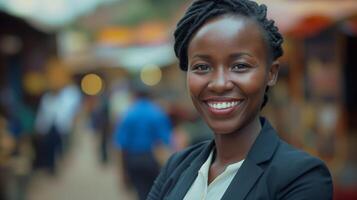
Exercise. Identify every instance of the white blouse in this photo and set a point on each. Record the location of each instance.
(200, 190)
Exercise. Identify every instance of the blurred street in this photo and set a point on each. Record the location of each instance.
(80, 174)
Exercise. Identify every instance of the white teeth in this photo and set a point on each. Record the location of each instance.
(223, 105)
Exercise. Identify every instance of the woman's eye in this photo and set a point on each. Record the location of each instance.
(240, 67)
(201, 68)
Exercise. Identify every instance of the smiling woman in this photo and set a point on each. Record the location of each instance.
(230, 50)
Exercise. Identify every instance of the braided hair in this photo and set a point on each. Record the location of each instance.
(202, 10)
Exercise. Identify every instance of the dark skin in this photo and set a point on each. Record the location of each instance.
(229, 69)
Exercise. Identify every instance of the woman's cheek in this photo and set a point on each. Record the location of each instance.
(251, 83)
(194, 83)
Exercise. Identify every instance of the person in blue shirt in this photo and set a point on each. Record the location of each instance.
(144, 127)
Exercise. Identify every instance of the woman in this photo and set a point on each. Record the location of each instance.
(230, 50)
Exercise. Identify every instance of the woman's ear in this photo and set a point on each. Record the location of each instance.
(273, 73)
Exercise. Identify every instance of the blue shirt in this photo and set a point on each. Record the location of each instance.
(142, 127)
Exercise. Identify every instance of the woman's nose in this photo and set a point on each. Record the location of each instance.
(220, 81)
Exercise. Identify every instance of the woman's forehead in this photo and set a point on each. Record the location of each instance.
(224, 32)
(224, 24)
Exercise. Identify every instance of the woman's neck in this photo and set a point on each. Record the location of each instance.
(233, 147)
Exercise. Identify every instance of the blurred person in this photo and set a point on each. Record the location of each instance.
(7, 146)
(56, 114)
(16, 155)
(143, 129)
(101, 124)
(230, 49)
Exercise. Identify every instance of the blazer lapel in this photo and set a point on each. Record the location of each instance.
(250, 171)
(187, 178)
(244, 180)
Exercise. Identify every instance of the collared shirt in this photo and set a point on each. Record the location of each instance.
(200, 190)
(144, 125)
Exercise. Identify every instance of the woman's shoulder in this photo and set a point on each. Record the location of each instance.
(291, 168)
(283, 155)
(288, 155)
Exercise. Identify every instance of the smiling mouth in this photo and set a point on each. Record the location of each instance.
(223, 105)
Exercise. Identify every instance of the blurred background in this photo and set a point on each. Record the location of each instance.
(66, 68)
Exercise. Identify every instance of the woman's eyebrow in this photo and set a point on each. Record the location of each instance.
(240, 54)
(202, 56)
(231, 56)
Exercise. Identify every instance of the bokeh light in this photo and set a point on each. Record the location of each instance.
(151, 75)
(91, 84)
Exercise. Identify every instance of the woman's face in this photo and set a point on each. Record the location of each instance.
(228, 72)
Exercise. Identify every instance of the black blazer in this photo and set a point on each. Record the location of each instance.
(272, 170)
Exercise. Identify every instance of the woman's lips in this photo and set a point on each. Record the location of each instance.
(223, 107)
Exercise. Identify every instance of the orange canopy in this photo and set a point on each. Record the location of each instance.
(303, 18)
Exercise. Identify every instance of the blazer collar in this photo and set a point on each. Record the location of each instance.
(265, 144)
(189, 175)
(250, 171)
(262, 151)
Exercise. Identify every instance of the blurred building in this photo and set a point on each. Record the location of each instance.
(23, 50)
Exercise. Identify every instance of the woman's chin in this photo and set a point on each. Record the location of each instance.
(222, 130)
